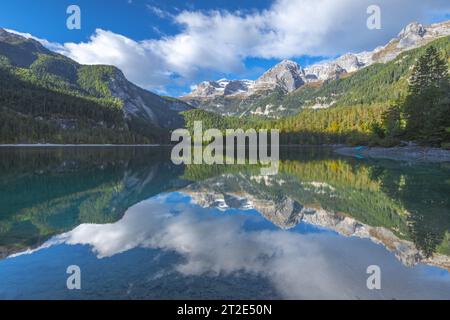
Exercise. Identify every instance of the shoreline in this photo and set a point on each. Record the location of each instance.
(409, 153)
(38, 145)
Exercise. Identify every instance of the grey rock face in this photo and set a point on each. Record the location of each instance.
(349, 62)
(144, 105)
(220, 88)
(412, 29)
(207, 88)
(133, 105)
(287, 75)
(324, 72)
(236, 86)
(410, 35)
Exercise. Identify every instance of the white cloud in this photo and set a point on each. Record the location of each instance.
(159, 12)
(298, 265)
(220, 41)
(290, 28)
(139, 63)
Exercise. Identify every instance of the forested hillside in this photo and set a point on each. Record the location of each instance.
(48, 98)
(351, 124)
(378, 83)
(376, 105)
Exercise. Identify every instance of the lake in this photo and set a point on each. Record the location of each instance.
(139, 227)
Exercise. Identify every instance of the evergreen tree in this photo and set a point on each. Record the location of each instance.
(392, 121)
(426, 106)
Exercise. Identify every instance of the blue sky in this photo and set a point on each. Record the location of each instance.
(168, 46)
(134, 19)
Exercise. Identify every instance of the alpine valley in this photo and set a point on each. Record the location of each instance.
(46, 97)
(346, 195)
(287, 88)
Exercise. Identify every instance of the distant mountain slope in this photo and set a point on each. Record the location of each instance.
(377, 83)
(47, 97)
(275, 93)
(359, 102)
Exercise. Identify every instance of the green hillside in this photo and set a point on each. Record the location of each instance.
(48, 98)
(382, 82)
(360, 104)
(378, 83)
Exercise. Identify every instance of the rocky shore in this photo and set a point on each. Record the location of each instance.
(409, 153)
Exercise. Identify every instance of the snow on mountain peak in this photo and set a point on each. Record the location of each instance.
(222, 87)
(289, 75)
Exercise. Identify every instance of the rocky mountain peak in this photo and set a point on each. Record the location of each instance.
(414, 28)
(222, 87)
(285, 66)
(21, 51)
(349, 62)
(411, 35)
(237, 86)
(324, 72)
(207, 88)
(5, 35)
(287, 75)
(288, 64)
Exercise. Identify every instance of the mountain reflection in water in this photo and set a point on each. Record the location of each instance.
(140, 227)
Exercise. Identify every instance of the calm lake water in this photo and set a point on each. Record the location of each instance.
(140, 227)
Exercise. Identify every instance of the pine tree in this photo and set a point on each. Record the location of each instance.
(425, 108)
(391, 120)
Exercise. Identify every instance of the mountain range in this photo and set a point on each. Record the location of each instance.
(244, 97)
(36, 83)
(46, 97)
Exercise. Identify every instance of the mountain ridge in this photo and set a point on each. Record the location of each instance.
(288, 76)
(27, 66)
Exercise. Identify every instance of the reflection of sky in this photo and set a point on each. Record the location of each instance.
(166, 240)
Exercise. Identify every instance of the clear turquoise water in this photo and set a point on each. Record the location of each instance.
(140, 227)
